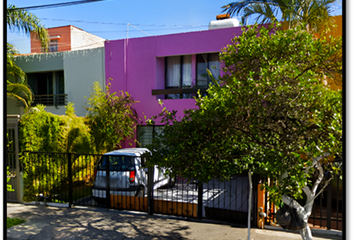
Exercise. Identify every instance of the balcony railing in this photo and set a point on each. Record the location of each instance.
(178, 91)
(51, 100)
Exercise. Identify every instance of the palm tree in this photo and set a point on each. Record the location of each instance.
(314, 13)
(22, 20)
(16, 80)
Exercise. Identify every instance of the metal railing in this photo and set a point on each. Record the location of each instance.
(327, 210)
(51, 99)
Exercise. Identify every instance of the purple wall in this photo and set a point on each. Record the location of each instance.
(137, 65)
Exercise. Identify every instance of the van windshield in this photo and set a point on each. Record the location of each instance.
(117, 163)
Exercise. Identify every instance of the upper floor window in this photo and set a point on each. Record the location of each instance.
(48, 87)
(186, 75)
(178, 74)
(207, 61)
(53, 45)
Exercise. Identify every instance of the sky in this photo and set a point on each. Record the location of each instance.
(109, 18)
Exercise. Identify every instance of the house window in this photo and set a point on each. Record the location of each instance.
(48, 87)
(178, 75)
(207, 61)
(145, 134)
(53, 45)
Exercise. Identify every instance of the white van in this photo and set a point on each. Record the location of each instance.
(128, 174)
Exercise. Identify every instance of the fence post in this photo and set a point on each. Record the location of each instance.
(70, 180)
(200, 200)
(108, 188)
(329, 203)
(254, 212)
(150, 190)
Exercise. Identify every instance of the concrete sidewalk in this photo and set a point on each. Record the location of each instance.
(98, 223)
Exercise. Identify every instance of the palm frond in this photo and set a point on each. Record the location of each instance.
(314, 13)
(27, 22)
(20, 92)
(13, 71)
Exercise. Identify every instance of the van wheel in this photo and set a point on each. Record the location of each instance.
(140, 192)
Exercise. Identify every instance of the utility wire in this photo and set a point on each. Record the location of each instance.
(54, 5)
(123, 24)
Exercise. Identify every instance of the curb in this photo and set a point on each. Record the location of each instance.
(324, 232)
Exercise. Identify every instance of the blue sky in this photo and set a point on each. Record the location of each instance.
(108, 19)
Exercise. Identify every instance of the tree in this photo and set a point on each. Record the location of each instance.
(271, 115)
(314, 13)
(22, 20)
(111, 118)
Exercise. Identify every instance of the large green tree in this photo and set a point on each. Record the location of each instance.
(314, 13)
(26, 22)
(271, 114)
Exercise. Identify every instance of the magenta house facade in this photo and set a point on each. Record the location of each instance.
(168, 67)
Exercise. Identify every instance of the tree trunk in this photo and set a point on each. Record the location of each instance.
(304, 212)
(306, 233)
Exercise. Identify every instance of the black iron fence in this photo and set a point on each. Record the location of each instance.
(58, 177)
(73, 179)
(327, 210)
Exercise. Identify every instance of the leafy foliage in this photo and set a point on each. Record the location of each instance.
(41, 131)
(16, 80)
(111, 118)
(314, 13)
(271, 113)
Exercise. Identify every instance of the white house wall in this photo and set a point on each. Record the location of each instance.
(84, 40)
(81, 69)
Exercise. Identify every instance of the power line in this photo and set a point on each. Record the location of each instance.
(123, 24)
(54, 5)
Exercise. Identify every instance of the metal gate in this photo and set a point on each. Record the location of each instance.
(12, 160)
(327, 210)
(69, 178)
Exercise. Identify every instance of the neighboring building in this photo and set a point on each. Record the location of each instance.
(66, 38)
(59, 78)
(168, 67)
(64, 72)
